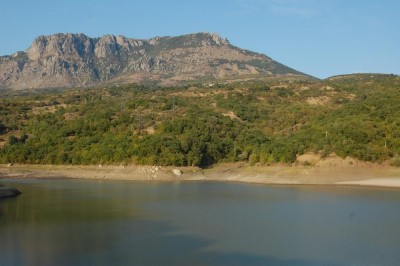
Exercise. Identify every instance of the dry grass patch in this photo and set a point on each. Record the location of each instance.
(47, 109)
(322, 100)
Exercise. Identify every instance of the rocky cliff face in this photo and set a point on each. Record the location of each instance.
(75, 60)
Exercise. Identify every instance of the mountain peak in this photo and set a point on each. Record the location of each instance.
(218, 39)
(60, 44)
(69, 60)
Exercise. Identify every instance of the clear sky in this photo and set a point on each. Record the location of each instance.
(318, 37)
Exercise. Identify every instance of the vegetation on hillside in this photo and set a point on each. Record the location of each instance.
(256, 121)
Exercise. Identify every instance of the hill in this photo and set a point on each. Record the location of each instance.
(261, 122)
(76, 60)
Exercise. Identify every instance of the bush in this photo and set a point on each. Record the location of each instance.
(395, 161)
(253, 159)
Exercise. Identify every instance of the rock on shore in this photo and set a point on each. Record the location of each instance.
(6, 192)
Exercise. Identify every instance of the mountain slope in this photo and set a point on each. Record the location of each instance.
(76, 60)
(250, 121)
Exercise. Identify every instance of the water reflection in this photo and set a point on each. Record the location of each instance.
(77, 222)
(51, 205)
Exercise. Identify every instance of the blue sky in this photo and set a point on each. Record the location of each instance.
(318, 37)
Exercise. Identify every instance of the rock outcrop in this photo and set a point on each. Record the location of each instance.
(75, 60)
(7, 192)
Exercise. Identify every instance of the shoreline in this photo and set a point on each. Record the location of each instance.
(364, 176)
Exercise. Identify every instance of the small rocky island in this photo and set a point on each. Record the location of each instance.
(6, 192)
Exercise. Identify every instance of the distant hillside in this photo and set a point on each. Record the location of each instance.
(259, 122)
(75, 60)
(360, 77)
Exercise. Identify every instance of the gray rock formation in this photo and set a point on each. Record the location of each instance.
(75, 60)
(6, 192)
(177, 172)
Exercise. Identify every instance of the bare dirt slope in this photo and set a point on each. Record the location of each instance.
(363, 175)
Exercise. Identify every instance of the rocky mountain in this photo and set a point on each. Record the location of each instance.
(76, 60)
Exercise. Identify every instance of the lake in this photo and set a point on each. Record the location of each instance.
(88, 222)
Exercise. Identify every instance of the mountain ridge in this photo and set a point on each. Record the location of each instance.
(76, 60)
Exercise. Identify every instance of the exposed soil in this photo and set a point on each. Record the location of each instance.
(319, 174)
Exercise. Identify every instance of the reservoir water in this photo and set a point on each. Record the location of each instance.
(87, 222)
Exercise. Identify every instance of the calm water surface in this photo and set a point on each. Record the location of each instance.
(78, 222)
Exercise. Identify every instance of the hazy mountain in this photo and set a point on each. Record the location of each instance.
(76, 60)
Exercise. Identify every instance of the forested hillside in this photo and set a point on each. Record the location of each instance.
(262, 122)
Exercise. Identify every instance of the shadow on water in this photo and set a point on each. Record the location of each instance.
(223, 258)
(137, 242)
